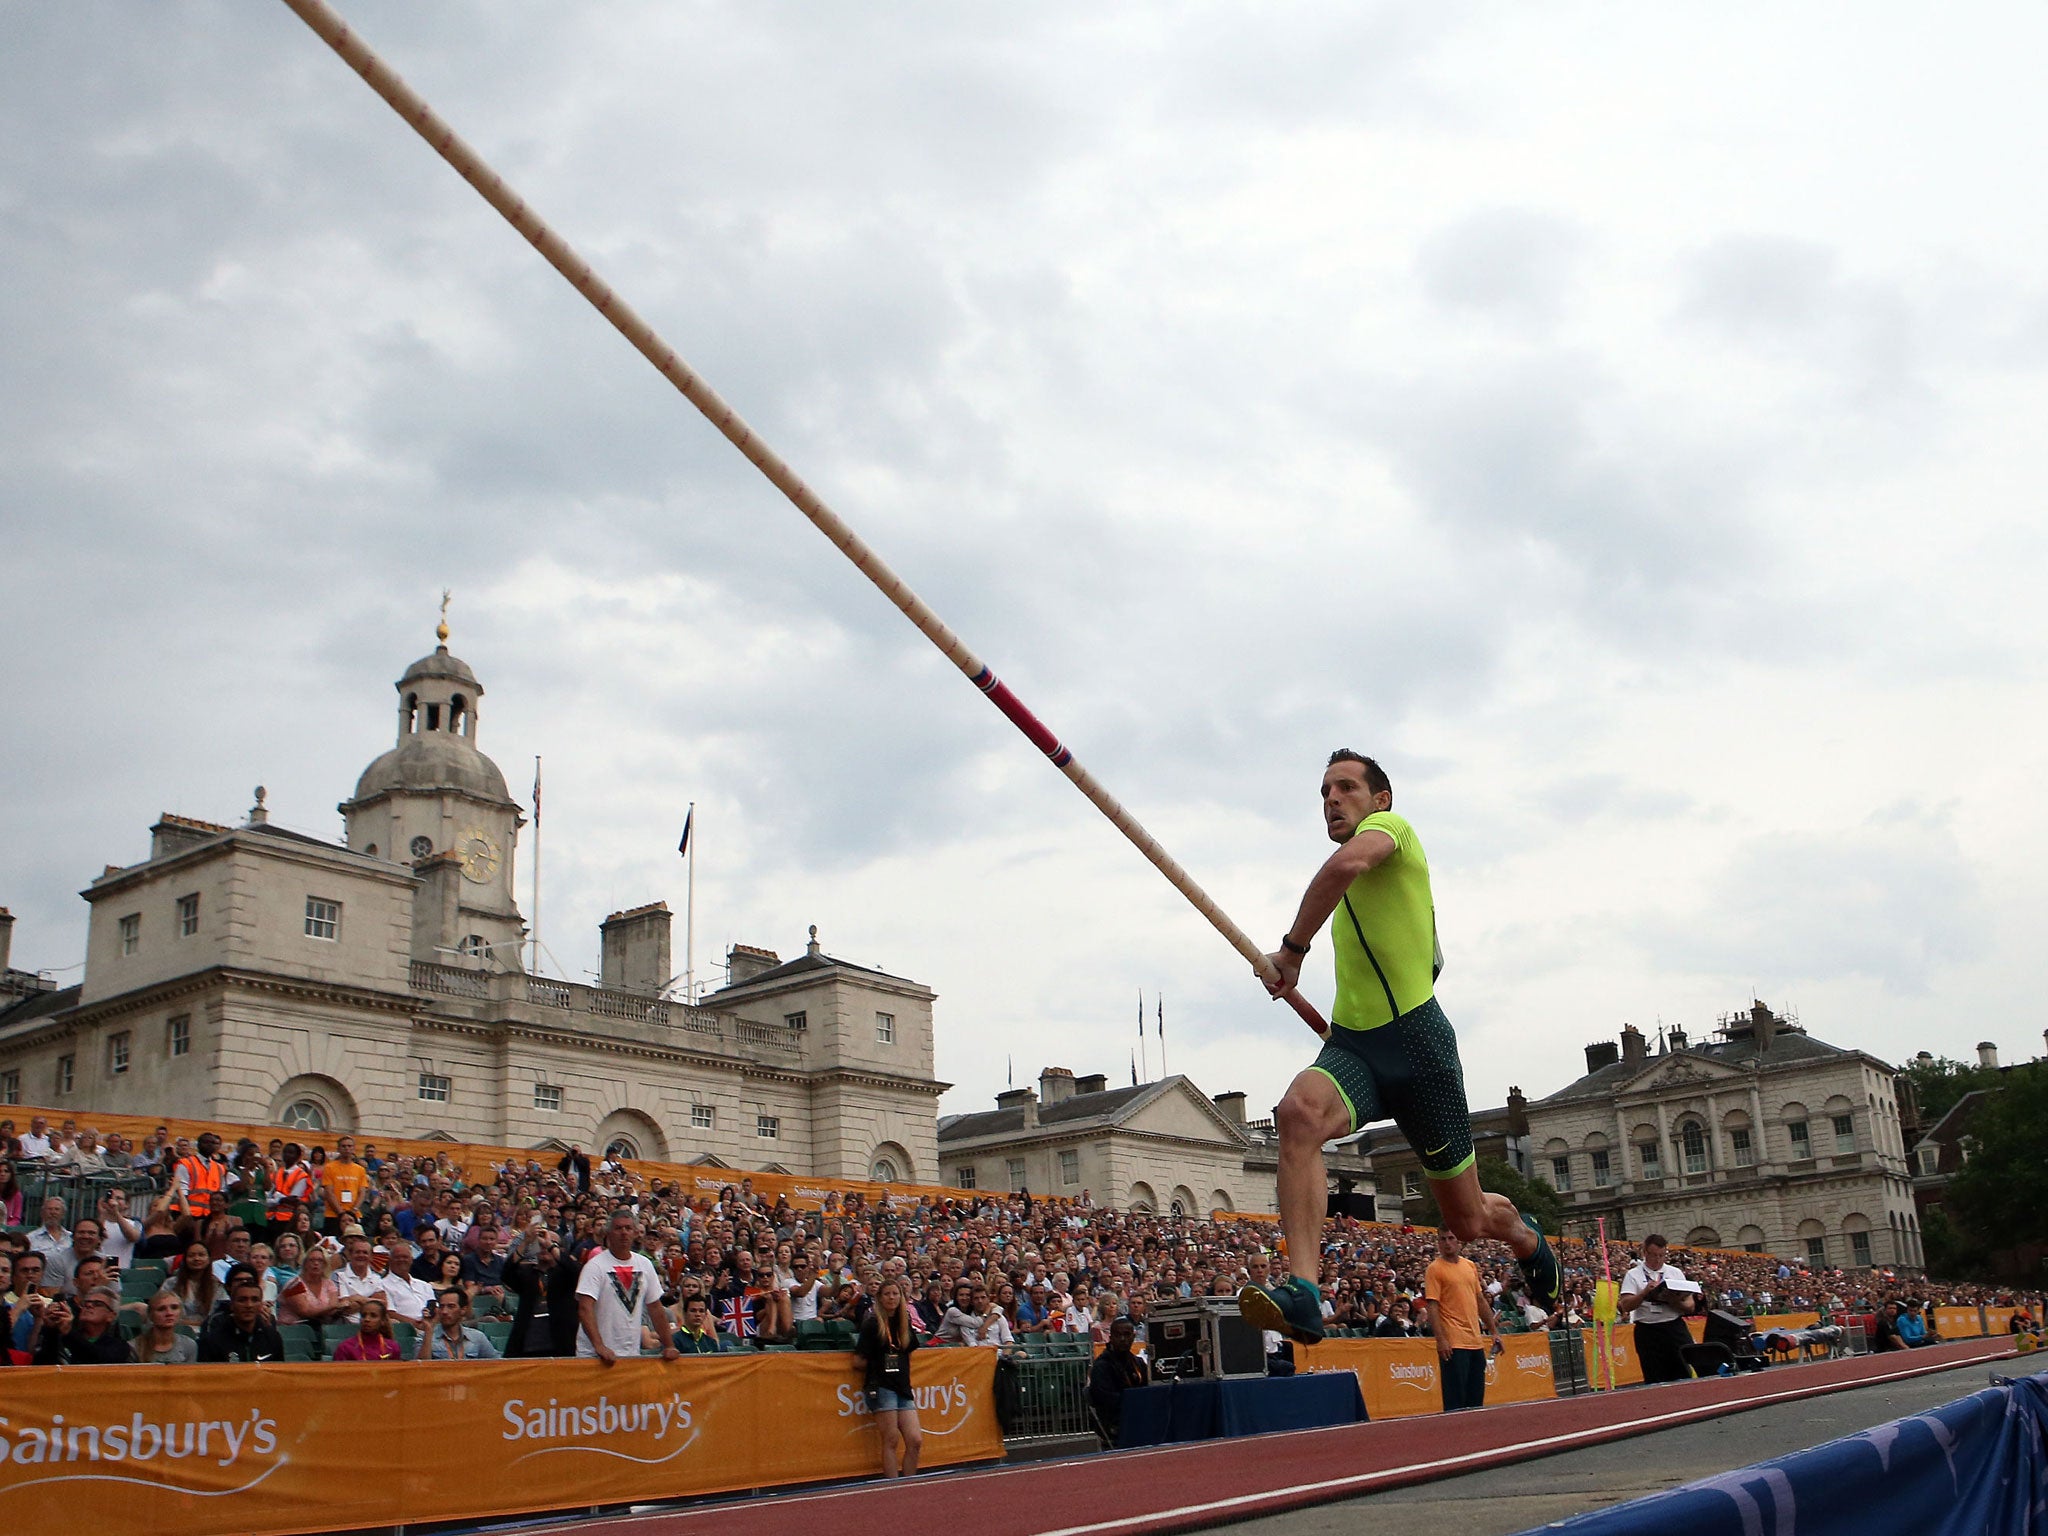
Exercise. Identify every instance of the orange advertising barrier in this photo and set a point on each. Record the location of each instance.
(1957, 1323)
(1399, 1376)
(1999, 1319)
(278, 1448)
(1792, 1322)
(1621, 1355)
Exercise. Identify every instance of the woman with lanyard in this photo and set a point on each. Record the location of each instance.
(887, 1340)
(372, 1340)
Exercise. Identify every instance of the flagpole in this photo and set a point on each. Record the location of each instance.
(1144, 1054)
(1162, 1035)
(332, 29)
(534, 969)
(690, 916)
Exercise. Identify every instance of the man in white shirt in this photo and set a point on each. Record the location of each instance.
(123, 1232)
(1656, 1296)
(36, 1143)
(357, 1279)
(410, 1299)
(52, 1237)
(618, 1285)
(803, 1296)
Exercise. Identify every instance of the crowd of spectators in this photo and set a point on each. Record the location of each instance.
(364, 1251)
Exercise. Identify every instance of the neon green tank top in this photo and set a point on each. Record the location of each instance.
(1384, 933)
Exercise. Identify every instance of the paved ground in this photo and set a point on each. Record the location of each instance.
(1533, 1493)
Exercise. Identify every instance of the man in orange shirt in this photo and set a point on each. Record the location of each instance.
(344, 1183)
(1457, 1308)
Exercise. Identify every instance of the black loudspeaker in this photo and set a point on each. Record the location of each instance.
(1359, 1206)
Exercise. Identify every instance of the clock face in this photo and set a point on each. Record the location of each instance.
(422, 846)
(479, 856)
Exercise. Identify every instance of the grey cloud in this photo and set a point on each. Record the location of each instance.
(1518, 263)
(1893, 901)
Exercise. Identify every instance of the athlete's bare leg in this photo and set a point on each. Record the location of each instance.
(1312, 1113)
(1472, 1213)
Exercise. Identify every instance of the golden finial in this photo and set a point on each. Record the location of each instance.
(441, 629)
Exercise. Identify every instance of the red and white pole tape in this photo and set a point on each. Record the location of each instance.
(468, 164)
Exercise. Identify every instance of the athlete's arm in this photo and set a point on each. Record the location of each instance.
(1369, 849)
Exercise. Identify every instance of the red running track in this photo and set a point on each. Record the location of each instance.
(1184, 1487)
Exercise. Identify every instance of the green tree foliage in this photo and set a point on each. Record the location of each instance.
(1939, 1082)
(1532, 1197)
(1999, 1198)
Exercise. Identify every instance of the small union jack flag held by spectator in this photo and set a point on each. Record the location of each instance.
(736, 1317)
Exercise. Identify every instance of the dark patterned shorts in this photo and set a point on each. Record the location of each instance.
(1406, 1071)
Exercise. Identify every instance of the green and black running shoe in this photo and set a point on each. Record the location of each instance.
(1293, 1308)
(1541, 1270)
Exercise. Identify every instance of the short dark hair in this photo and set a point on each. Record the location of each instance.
(1655, 1240)
(1376, 778)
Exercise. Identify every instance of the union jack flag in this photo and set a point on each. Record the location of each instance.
(736, 1317)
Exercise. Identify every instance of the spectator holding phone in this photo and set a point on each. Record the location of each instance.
(448, 1336)
(83, 1334)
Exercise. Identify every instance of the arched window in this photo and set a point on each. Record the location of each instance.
(458, 715)
(412, 713)
(1694, 1139)
(884, 1171)
(304, 1115)
(433, 717)
(622, 1147)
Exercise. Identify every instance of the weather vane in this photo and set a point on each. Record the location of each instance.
(441, 629)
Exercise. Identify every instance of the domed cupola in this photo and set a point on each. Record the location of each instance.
(437, 803)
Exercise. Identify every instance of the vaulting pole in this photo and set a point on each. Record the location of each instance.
(470, 166)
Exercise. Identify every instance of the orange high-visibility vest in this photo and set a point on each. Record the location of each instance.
(202, 1178)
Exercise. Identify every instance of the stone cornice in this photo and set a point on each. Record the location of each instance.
(213, 978)
(242, 839)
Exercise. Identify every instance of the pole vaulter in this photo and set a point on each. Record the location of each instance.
(472, 168)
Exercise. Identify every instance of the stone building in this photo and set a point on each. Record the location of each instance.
(258, 974)
(1763, 1138)
(1501, 1133)
(1159, 1146)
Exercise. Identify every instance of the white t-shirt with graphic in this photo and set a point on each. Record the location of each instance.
(623, 1289)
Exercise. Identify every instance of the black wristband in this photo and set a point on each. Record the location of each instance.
(1287, 943)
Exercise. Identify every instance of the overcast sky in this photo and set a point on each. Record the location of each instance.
(1627, 425)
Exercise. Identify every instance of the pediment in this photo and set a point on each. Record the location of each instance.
(1682, 1071)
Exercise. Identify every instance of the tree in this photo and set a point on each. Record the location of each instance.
(1939, 1082)
(1998, 1200)
(1532, 1197)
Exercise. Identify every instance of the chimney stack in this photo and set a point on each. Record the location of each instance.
(1518, 1114)
(1232, 1105)
(634, 949)
(1634, 1049)
(1677, 1037)
(1024, 1099)
(743, 962)
(1765, 1024)
(6, 940)
(1987, 1054)
(1602, 1053)
(1055, 1086)
(1094, 1082)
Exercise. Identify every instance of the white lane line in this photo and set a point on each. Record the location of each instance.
(1555, 1442)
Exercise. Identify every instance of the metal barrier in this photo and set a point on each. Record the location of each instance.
(1568, 1361)
(80, 1192)
(1052, 1396)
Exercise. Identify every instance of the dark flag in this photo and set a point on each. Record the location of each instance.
(1134, 1069)
(689, 816)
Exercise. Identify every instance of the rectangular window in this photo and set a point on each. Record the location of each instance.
(1603, 1172)
(702, 1117)
(67, 1072)
(178, 1034)
(885, 1029)
(10, 1087)
(323, 918)
(1752, 1247)
(547, 1096)
(1561, 1173)
(1411, 1185)
(117, 1053)
(1653, 1165)
(131, 933)
(1745, 1154)
(768, 1127)
(1859, 1249)
(188, 916)
(797, 1021)
(433, 1088)
(963, 1178)
(1816, 1253)
(1070, 1167)
(1930, 1157)
(1845, 1133)
(1016, 1174)
(1801, 1147)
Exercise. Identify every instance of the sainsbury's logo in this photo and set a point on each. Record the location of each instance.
(601, 1427)
(1419, 1376)
(141, 1450)
(942, 1407)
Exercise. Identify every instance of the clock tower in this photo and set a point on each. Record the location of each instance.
(436, 803)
